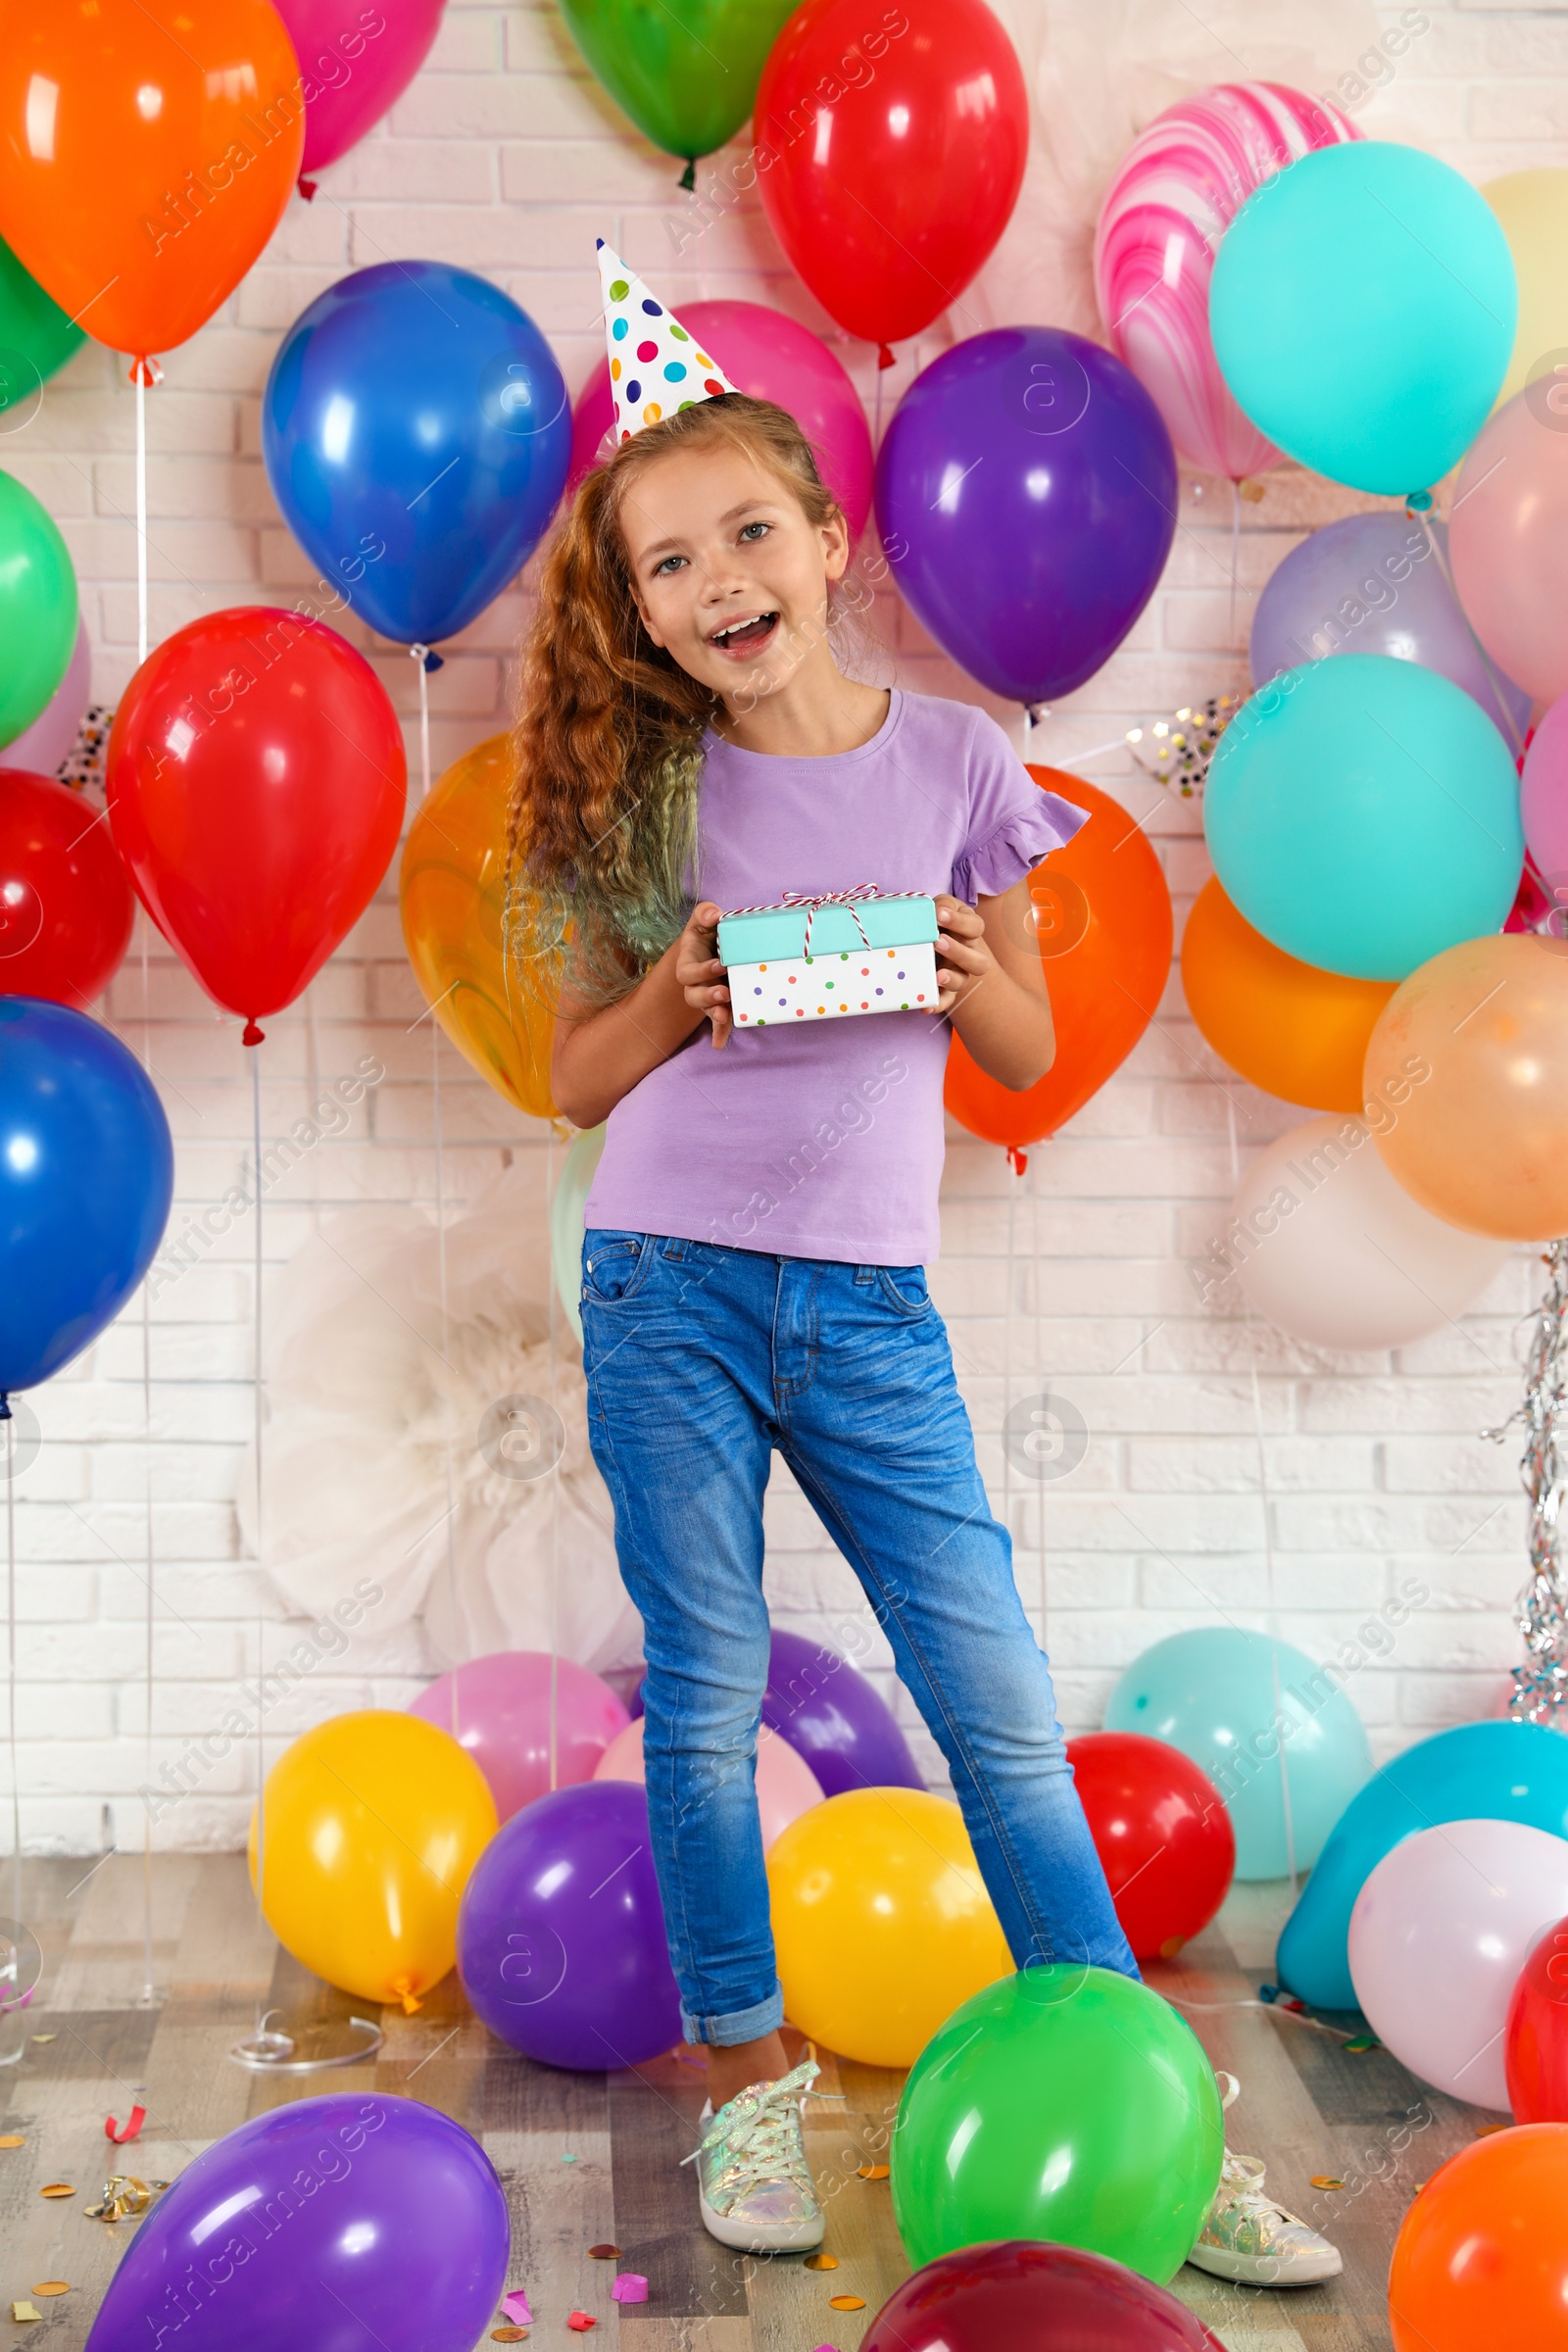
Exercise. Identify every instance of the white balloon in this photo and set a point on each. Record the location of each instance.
(1438, 1936)
(1331, 1248)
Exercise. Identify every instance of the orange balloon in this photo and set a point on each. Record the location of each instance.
(1481, 1140)
(147, 151)
(452, 903)
(1102, 915)
(1290, 1028)
(1483, 2255)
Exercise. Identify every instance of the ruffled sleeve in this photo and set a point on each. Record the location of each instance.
(1014, 822)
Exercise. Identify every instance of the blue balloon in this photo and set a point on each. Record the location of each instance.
(1026, 497)
(1478, 1772)
(1224, 1697)
(1362, 309)
(86, 1174)
(1380, 584)
(417, 434)
(1363, 813)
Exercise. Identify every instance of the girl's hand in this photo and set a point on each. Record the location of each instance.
(963, 960)
(698, 973)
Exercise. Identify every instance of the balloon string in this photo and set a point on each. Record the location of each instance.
(1236, 546)
(11, 1669)
(1039, 1371)
(1268, 1545)
(147, 1513)
(1493, 674)
(261, 1622)
(141, 519)
(418, 652)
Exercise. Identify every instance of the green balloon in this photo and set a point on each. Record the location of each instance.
(37, 608)
(566, 1220)
(685, 70)
(35, 335)
(1065, 2103)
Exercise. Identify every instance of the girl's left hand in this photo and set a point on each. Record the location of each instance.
(963, 958)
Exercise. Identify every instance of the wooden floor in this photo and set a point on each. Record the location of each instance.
(1307, 2106)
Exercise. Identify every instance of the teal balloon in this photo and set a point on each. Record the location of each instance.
(566, 1221)
(1478, 1772)
(1362, 309)
(1224, 1697)
(1364, 814)
(1066, 2103)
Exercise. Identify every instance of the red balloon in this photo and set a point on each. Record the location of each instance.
(891, 151)
(66, 907)
(1163, 1834)
(256, 788)
(1536, 2042)
(1023, 2295)
(1102, 912)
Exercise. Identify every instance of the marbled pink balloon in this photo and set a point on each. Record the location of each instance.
(1179, 189)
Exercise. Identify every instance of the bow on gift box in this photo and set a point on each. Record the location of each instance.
(811, 901)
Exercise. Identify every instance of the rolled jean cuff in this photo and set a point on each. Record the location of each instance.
(742, 2025)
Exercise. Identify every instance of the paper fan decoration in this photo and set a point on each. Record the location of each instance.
(655, 367)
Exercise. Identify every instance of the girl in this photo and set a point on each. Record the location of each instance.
(753, 1269)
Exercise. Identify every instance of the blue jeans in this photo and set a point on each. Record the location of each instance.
(700, 1360)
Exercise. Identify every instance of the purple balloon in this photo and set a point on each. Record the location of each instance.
(833, 1717)
(1375, 584)
(325, 2226)
(1026, 496)
(561, 1932)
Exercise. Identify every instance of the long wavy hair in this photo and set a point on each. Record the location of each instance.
(601, 832)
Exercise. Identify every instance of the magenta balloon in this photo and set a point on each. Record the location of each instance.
(1544, 803)
(43, 749)
(353, 75)
(772, 358)
(498, 1709)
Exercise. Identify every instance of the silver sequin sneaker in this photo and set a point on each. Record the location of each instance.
(1250, 2239)
(753, 2186)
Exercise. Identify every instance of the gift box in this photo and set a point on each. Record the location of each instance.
(840, 951)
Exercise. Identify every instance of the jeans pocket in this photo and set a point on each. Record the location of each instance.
(614, 1265)
(904, 1289)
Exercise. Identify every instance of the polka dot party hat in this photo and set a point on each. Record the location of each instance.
(654, 366)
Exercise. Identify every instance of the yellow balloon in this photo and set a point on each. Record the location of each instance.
(372, 1822)
(452, 901)
(1532, 208)
(882, 1921)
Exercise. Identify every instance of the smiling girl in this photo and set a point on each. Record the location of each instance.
(757, 1230)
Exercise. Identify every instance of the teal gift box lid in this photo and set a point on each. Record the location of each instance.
(833, 922)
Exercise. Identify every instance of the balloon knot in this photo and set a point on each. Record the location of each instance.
(1036, 712)
(410, 1999)
(307, 189)
(688, 178)
(4, 1407)
(1017, 1161)
(144, 371)
(885, 358)
(1418, 500)
(252, 1036)
(425, 658)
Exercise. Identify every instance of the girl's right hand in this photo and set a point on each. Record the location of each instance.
(700, 973)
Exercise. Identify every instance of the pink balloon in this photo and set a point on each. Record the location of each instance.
(1180, 186)
(353, 75)
(1544, 802)
(786, 1785)
(49, 739)
(498, 1709)
(1509, 540)
(772, 358)
(1438, 1936)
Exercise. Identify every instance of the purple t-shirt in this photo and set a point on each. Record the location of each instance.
(826, 1141)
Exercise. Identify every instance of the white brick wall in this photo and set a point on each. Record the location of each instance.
(507, 158)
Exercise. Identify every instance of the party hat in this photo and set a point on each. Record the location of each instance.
(654, 366)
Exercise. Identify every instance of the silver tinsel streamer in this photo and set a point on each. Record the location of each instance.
(1541, 1686)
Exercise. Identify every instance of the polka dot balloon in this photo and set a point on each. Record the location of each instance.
(655, 367)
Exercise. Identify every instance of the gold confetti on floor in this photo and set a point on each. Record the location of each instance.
(57, 2188)
(821, 2262)
(606, 2253)
(52, 2287)
(46, 2037)
(12, 2139)
(24, 2311)
(508, 2336)
(873, 2172)
(1485, 2130)
(1327, 2181)
(847, 2302)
